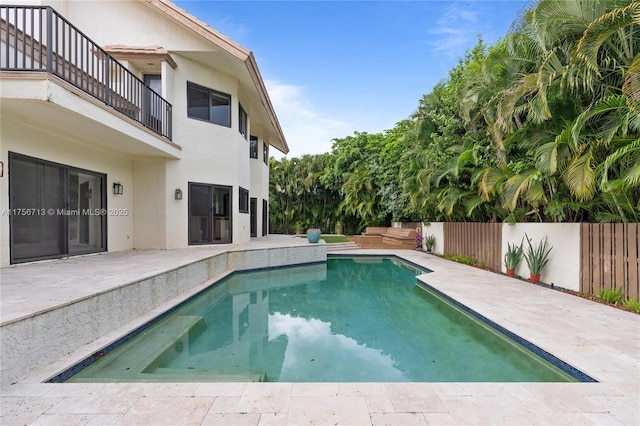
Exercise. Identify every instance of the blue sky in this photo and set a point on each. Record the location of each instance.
(336, 67)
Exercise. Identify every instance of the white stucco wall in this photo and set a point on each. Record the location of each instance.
(138, 25)
(149, 203)
(211, 153)
(258, 190)
(23, 138)
(201, 152)
(436, 229)
(563, 269)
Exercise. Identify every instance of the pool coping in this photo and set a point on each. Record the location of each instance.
(605, 346)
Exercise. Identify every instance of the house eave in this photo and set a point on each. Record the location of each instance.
(235, 50)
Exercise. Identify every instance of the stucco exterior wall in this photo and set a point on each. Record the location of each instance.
(199, 152)
(135, 21)
(259, 175)
(149, 204)
(563, 269)
(23, 138)
(437, 230)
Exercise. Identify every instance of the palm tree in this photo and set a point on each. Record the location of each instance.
(588, 60)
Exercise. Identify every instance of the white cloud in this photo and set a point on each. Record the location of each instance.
(457, 28)
(307, 129)
(313, 348)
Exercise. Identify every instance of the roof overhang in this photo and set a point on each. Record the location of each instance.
(223, 43)
(121, 52)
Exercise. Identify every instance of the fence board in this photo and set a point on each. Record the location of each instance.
(596, 248)
(620, 279)
(633, 260)
(479, 241)
(610, 258)
(586, 269)
(607, 271)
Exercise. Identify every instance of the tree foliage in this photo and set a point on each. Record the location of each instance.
(541, 126)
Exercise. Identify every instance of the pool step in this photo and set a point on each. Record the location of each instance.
(334, 247)
(182, 375)
(161, 342)
(205, 375)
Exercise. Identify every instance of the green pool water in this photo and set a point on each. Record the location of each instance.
(349, 320)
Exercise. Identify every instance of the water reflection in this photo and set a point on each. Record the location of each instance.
(347, 320)
(313, 346)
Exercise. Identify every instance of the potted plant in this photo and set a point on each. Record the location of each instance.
(512, 258)
(418, 239)
(537, 258)
(313, 235)
(429, 242)
(339, 228)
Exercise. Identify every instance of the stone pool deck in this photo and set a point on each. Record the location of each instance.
(601, 341)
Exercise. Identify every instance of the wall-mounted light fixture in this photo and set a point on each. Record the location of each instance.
(178, 195)
(117, 188)
(1, 169)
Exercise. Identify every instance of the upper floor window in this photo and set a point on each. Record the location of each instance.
(244, 200)
(253, 146)
(265, 152)
(209, 105)
(242, 122)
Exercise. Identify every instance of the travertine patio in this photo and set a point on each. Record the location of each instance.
(601, 341)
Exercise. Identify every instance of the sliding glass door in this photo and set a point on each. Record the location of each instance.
(86, 199)
(55, 210)
(265, 218)
(253, 212)
(209, 214)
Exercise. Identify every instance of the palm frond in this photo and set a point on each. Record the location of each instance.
(580, 177)
(631, 85)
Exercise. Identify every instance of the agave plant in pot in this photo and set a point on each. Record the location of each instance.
(537, 258)
(512, 258)
(429, 242)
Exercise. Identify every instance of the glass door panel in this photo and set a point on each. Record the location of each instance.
(56, 210)
(222, 214)
(199, 213)
(86, 222)
(265, 217)
(253, 212)
(209, 213)
(36, 203)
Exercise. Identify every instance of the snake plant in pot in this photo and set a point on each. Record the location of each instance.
(537, 257)
(512, 258)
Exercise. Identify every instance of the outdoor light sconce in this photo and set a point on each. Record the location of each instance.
(178, 195)
(1, 169)
(117, 188)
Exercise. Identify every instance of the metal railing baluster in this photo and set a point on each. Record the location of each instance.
(54, 45)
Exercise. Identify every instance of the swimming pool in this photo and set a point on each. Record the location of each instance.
(360, 319)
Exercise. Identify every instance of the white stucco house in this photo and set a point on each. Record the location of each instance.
(128, 124)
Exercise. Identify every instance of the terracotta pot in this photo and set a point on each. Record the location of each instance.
(511, 272)
(534, 278)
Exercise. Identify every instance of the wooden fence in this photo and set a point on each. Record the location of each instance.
(610, 258)
(480, 241)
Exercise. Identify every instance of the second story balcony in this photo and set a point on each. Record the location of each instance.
(38, 39)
